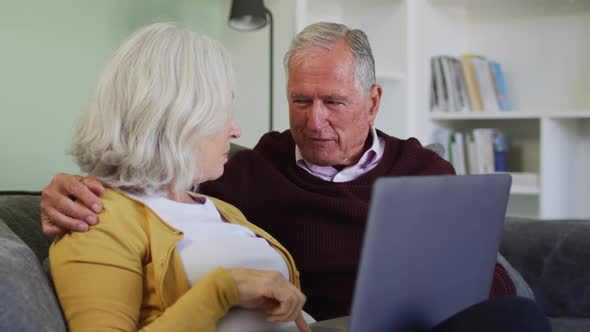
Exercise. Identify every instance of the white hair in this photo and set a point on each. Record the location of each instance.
(164, 89)
(326, 35)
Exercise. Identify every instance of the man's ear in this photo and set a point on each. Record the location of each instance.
(374, 102)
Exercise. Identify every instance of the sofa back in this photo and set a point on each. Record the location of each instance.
(553, 256)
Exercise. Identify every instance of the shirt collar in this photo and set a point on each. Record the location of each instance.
(372, 154)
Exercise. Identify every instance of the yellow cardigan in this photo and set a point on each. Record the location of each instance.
(125, 273)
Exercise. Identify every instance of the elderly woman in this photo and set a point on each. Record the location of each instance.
(163, 258)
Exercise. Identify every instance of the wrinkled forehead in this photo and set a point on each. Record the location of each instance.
(337, 51)
(322, 65)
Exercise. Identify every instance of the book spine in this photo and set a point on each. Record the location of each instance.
(441, 93)
(434, 98)
(485, 83)
(500, 152)
(462, 92)
(484, 141)
(471, 83)
(448, 84)
(501, 88)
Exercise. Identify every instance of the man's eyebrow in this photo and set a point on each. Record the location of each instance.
(298, 95)
(335, 97)
(325, 97)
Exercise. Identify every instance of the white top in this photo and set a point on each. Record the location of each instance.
(367, 162)
(210, 242)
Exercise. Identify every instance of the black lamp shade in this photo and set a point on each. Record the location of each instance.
(247, 15)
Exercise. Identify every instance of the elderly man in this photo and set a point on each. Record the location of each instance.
(309, 186)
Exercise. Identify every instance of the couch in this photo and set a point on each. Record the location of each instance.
(553, 257)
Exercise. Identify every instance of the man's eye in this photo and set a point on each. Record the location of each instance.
(334, 102)
(300, 102)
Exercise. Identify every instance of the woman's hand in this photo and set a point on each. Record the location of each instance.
(271, 292)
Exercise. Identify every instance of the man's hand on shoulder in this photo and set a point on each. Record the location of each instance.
(59, 212)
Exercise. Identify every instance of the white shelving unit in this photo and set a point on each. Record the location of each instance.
(544, 49)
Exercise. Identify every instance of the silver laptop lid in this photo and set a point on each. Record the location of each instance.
(429, 249)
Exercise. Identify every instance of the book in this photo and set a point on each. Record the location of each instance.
(445, 101)
(442, 136)
(504, 101)
(472, 163)
(500, 151)
(471, 83)
(434, 105)
(440, 88)
(484, 145)
(485, 82)
(458, 153)
(450, 83)
(462, 90)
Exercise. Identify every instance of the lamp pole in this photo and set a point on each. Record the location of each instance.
(270, 70)
(248, 15)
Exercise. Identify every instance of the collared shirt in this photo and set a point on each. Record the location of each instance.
(368, 161)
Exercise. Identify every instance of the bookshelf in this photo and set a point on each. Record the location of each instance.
(545, 53)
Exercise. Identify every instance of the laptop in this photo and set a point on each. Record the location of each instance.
(429, 251)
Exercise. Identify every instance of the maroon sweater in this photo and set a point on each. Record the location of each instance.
(320, 222)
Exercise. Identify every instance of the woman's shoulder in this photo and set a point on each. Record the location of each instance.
(123, 210)
(120, 236)
(122, 219)
(113, 198)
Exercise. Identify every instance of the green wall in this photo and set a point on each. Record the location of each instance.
(51, 54)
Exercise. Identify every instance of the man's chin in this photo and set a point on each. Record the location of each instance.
(318, 160)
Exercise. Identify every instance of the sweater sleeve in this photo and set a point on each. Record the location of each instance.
(99, 280)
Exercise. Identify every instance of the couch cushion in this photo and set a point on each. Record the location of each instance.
(20, 211)
(28, 302)
(553, 258)
(570, 324)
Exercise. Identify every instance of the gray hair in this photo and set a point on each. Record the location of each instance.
(164, 89)
(326, 35)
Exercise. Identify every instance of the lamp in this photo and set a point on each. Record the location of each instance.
(249, 15)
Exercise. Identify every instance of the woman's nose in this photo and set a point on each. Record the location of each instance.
(235, 131)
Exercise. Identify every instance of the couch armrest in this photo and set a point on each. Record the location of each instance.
(553, 257)
(28, 302)
(20, 211)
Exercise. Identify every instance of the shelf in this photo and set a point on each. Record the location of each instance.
(570, 115)
(485, 115)
(524, 190)
(510, 115)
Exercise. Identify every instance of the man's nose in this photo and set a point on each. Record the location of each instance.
(316, 116)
